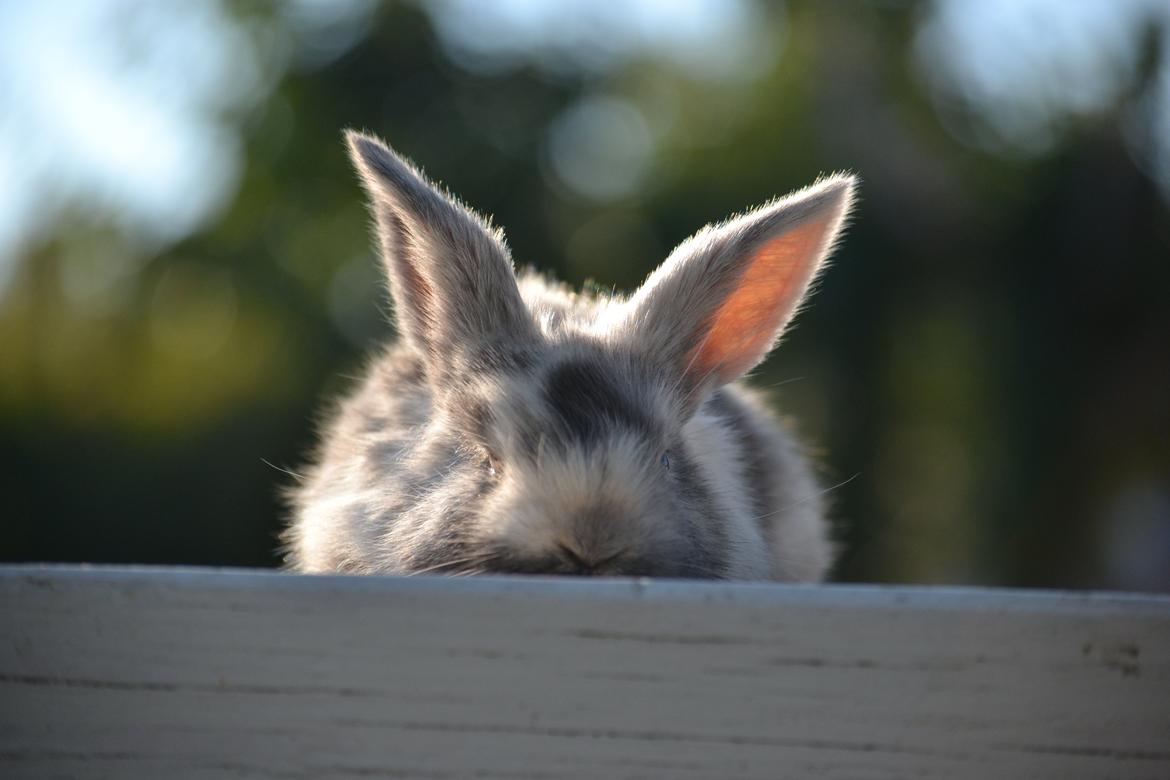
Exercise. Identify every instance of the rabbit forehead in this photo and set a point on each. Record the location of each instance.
(587, 399)
(574, 399)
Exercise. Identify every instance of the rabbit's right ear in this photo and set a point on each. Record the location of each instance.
(450, 274)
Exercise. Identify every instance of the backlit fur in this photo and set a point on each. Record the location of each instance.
(521, 427)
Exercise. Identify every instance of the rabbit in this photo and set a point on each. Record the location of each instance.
(518, 426)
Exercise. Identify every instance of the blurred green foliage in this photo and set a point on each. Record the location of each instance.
(986, 368)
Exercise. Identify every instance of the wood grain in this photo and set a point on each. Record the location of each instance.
(139, 673)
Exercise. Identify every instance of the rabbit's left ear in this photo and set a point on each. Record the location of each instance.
(719, 303)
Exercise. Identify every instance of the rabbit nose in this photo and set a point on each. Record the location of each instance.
(580, 561)
(584, 563)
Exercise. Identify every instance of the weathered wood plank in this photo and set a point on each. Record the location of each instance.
(200, 673)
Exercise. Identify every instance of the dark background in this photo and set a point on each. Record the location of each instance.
(186, 269)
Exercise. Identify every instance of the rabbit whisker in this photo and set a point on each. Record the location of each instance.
(806, 499)
(783, 382)
(471, 559)
(291, 473)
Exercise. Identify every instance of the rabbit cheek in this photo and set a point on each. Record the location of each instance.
(694, 512)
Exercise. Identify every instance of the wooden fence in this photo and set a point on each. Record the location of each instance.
(178, 673)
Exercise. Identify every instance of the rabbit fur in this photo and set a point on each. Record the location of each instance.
(518, 426)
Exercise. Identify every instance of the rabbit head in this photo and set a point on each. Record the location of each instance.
(520, 427)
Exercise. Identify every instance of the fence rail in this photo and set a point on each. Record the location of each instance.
(157, 673)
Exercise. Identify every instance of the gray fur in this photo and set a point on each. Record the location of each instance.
(519, 426)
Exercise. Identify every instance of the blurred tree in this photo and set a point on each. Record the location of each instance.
(985, 366)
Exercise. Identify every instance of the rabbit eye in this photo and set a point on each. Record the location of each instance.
(665, 460)
(494, 465)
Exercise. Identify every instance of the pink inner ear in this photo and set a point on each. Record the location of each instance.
(417, 288)
(410, 288)
(742, 329)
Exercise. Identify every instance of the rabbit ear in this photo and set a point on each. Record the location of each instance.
(450, 274)
(719, 303)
